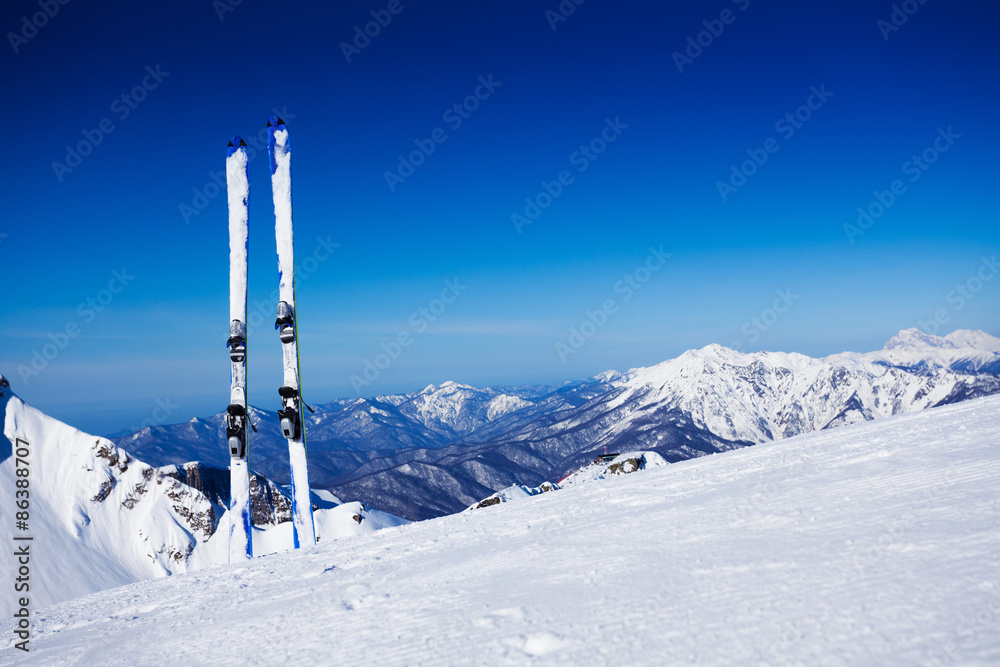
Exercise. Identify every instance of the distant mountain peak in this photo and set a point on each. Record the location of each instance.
(446, 386)
(915, 340)
(973, 338)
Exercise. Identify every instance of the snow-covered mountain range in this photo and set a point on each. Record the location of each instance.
(443, 448)
(872, 544)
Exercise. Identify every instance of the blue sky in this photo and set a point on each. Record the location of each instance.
(155, 335)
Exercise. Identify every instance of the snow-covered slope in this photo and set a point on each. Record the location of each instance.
(876, 543)
(623, 464)
(514, 493)
(100, 518)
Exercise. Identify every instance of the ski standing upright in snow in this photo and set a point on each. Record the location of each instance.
(237, 415)
(292, 425)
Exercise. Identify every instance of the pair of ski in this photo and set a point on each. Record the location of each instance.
(238, 413)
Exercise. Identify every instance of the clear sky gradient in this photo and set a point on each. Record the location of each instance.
(150, 343)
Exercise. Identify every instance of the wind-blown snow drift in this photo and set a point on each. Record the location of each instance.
(876, 543)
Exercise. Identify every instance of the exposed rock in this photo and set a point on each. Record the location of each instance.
(627, 466)
(105, 490)
(268, 505)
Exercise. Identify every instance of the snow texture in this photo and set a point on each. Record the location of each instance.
(238, 186)
(240, 533)
(871, 544)
(302, 516)
(281, 188)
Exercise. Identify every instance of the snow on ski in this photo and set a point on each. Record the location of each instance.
(237, 417)
(292, 426)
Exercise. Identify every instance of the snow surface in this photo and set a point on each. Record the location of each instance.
(281, 189)
(514, 493)
(876, 543)
(238, 524)
(238, 188)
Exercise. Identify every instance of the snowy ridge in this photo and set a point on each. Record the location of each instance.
(768, 395)
(623, 464)
(875, 543)
(962, 351)
(514, 492)
(914, 340)
(105, 518)
(457, 408)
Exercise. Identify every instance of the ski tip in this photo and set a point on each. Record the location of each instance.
(236, 142)
(274, 121)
